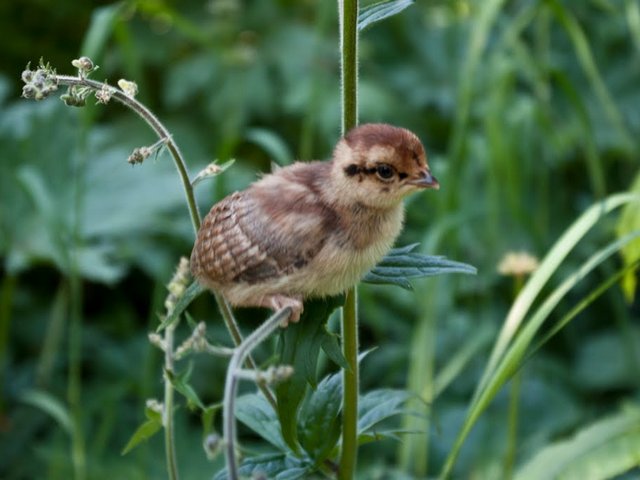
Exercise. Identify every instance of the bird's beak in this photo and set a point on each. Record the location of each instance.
(425, 180)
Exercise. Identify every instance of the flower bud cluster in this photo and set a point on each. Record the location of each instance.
(39, 83)
(177, 285)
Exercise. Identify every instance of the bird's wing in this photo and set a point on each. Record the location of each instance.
(261, 234)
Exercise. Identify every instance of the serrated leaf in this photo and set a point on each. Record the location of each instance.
(256, 413)
(190, 294)
(379, 405)
(181, 383)
(319, 418)
(380, 11)
(299, 347)
(143, 433)
(277, 466)
(401, 264)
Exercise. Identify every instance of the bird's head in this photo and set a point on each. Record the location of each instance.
(377, 165)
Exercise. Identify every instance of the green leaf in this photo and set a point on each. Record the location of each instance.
(50, 405)
(192, 292)
(277, 466)
(256, 413)
(181, 383)
(379, 405)
(630, 221)
(400, 264)
(144, 432)
(319, 418)
(507, 363)
(605, 449)
(299, 347)
(101, 26)
(272, 144)
(380, 11)
(540, 277)
(331, 346)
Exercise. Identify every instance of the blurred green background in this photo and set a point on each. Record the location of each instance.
(529, 111)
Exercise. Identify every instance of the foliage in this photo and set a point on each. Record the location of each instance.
(529, 113)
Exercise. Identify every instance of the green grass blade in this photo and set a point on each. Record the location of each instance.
(583, 51)
(547, 267)
(512, 359)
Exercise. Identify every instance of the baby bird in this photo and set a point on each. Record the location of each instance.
(312, 229)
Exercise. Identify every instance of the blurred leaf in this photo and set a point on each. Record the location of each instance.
(378, 405)
(50, 405)
(192, 292)
(100, 28)
(299, 347)
(181, 383)
(617, 372)
(319, 418)
(585, 56)
(508, 363)
(272, 144)
(145, 431)
(602, 450)
(547, 267)
(630, 221)
(256, 413)
(380, 11)
(400, 264)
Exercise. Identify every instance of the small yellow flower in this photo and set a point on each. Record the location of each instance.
(517, 264)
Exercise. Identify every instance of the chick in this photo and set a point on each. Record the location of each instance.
(312, 229)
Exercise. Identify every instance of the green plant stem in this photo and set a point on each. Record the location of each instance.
(167, 417)
(74, 382)
(512, 437)
(196, 220)
(157, 127)
(349, 454)
(348, 13)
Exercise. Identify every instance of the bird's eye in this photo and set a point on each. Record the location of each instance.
(384, 171)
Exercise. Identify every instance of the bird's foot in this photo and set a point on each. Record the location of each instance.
(278, 302)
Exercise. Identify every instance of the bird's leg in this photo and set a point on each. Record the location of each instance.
(240, 354)
(278, 302)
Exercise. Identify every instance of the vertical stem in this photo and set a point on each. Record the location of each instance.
(512, 438)
(349, 452)
(348, 13)
(167, 418)
(74, 385)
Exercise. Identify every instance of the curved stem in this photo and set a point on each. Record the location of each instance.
(231, 384)
(157, 127)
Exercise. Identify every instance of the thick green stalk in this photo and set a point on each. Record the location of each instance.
(348, 13)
